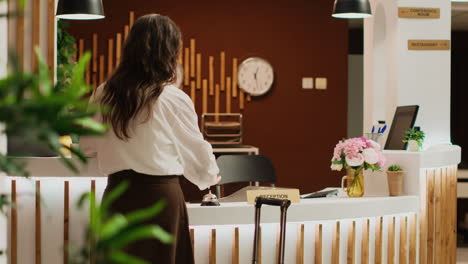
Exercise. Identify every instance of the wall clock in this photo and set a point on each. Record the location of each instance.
(255, 76)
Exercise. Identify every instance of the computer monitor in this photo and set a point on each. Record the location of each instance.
(404, 119)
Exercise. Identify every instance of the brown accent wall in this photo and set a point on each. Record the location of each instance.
(296, 128)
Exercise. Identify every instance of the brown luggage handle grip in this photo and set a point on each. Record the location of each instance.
(283, 203)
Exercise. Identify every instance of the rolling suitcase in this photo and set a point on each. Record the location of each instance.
(283, 204)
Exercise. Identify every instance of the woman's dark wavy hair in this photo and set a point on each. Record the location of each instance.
(149, 62)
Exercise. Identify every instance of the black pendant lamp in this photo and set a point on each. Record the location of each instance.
(351, 9)
(80, 9)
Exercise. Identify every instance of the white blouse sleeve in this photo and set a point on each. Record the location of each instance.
(196, 154)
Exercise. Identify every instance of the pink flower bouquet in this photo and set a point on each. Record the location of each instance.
(357, 153)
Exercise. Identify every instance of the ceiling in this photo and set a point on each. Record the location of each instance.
(459, 17)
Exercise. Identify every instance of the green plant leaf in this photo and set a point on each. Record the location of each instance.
(113, 195)
(123, 258)
(139, 233)
(145, 214)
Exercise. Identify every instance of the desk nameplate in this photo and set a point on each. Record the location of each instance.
(290, 194)
(420, 44)
(418, 12)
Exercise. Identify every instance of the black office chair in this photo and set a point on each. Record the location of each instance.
(245, 168)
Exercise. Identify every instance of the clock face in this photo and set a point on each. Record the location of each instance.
(255, 76)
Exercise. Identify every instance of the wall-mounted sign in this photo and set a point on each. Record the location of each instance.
(418, 12)
(420, 44)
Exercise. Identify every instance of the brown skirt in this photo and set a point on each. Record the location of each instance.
(143, 192)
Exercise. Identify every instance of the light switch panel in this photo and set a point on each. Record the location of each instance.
(321, 83)
(307, 83)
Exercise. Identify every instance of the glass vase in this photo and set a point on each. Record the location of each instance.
(354, 183)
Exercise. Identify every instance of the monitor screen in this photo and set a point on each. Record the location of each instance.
(404, 119)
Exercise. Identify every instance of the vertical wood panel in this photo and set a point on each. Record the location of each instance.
(403, 255)
(192, 91)
(453, 244)
(118, 49)
(186, 66)
(222, 72)
(66, 220)
(318, 244)
(38, 232)
(235, 247)
(131, 18)
(378, 240)
(192, 238)
(300, 245)
(351, 243)
(126, 31)
(217, 102)
(199, 71)
(80, 48)
(181, 54)
(110, 57)
(445, 216)
(249, 98)
(365, 242)
(241, 99)
(95, 55)
(35, 32)
(336, 244)
(92, 252)
(391, 242)
(228, 94)
(234, 77)
(14, 226)
(205, 96)
(20, 36)
(213, 247)
(101, 69)
(51, 37)
(412, 239)
(192, 58)
(438, 217)
(427, 231)
(211, 75)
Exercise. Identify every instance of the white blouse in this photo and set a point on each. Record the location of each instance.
(169, 143)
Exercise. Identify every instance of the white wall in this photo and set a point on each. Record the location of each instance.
(397, 76)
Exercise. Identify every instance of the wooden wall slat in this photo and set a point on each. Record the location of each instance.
(235, 247)
(14, 226)
(217, 102)
(391, 242)
(80, 48)
(378, 240)
(180, 57)
(186, 66)
(365, 242)
(20, 36)
(35, 32)
(192, 58)
(249, 98)
(426, 250)
(444, 213)
(212, 253)
(350, 257)
(211, 74)
(234, 77)
(110, 57)
(38, 224)
(92, 253)
(192, 238)
(51, 33)
(318, 244)
(66, 220)
(95, 53)
(453, 244)
(412, 239)
(228, 94)
(222, 72)
(241, 99)
(199, 71)
(192, 91)
(403, 251)
(205, 96)
(118, 49)
(126, 31)
(300, 245)
(131, 18)
(101, 69)
(335, 258)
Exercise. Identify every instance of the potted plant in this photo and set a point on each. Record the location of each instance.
(356, 155)
(395, 180)
(415, 138)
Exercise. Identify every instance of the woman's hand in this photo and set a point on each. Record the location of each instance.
(217, 179)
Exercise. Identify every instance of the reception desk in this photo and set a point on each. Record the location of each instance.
(419, 227)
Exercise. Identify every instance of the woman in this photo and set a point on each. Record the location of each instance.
(154, 137)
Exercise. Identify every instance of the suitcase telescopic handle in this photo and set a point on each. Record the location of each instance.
(270, 201)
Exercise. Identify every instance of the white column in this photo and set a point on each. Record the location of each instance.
(395, 76)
